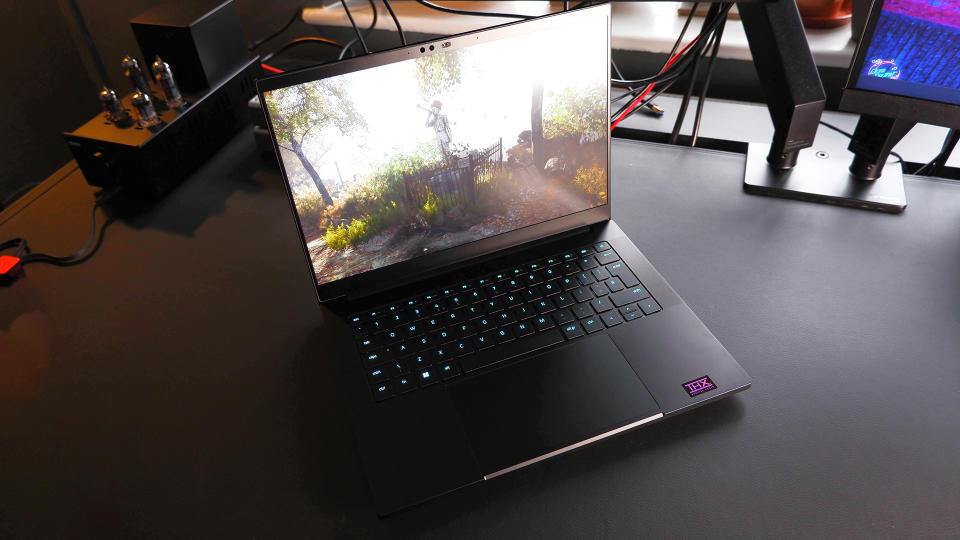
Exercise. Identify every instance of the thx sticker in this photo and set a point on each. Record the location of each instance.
(699, 386)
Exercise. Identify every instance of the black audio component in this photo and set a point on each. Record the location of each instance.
(203, 43)
(151, 140)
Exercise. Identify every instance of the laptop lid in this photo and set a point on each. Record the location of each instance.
(402, 163)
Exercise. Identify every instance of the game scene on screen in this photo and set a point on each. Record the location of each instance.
(916, 41)
(405, 159)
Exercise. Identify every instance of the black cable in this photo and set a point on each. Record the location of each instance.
(17, 193)
(300, 41)
(355, 29)
(647, 100)
(850, 136)
(715, 15)
(403, 39)
(706, 82)
(292, 20)
(477, 13)
(939, 161)
(88, 41)
(366, 33)
(83, 254)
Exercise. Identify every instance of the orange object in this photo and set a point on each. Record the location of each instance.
(825, 13)
(8, 264)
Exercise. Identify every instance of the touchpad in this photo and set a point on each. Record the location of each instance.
(549, 402)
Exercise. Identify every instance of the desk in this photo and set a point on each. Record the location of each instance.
(188, 395)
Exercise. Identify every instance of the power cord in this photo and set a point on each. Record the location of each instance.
(92, 245)
(256, 44)
(301, 41)
(403, 39)
(706, 81)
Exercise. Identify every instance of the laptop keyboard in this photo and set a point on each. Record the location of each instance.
(431, 338)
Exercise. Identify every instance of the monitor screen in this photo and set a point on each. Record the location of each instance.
(421, 155)
(914, 50)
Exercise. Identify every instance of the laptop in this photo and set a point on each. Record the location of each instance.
(453, 201)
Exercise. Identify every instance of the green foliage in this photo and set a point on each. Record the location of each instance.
(296, 110)
(594, 182)
(431, 208)
(437, 73)
(575, 112)
(342, 236)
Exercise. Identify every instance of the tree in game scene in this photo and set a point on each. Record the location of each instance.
(536, 125)
(302, 111)
(436, 74)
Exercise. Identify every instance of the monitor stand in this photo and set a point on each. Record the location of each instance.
(822, 174)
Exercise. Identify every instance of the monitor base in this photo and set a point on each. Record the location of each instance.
(823, 175)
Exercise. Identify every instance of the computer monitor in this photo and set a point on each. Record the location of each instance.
(906, 69)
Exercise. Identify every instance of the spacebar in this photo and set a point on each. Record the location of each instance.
(512, 349)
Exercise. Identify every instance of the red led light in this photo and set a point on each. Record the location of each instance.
(8, 263)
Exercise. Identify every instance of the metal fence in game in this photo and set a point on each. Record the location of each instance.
(453, 183)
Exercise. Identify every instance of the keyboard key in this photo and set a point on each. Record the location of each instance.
(367, 345)
(570, 267)
(483, 324)
(512, 299)
(403, 348)
(599, 289)
(485, 340)
(446, 335)
(377, 357)
(613, 284)
(583, 252)
(532, 294)
(525, 311)
(629, 296)
(552, 273)
(563, 316)
(601, 246)
(550, 288)
(543, 322)
(569, 283)
(382, 391)
(582, 295)
(474, 310)
(592, 324)
(626, 276)
(463, 347)
(448, 370)
(475, 295)
(495, 290)
(424, 342)
(607, 257)
(522, 329)
(572, 330)
(611, 318)
(504, 318)
(587, 263)
(396, 368)
(544, 306)
(563, 300)
(632, 315)
(503, 335)
(442, 354)
(428, 376)
(649, 306)
(601, 304)
(514, 284)
(600, 274)
(582, 310)
(585, 278)
(412, 329)
(419, 361)
(404, 384)
(630, 309)
(494, 305)
(377, 375)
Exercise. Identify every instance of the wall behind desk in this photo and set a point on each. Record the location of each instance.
(48, 86)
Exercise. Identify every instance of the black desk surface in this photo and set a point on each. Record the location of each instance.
(186, 391)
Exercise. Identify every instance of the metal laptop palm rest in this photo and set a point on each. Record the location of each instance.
(459, 225)
(898, 77)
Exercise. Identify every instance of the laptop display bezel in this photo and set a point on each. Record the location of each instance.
(417, 268)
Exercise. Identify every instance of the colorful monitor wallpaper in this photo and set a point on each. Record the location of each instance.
(421, 155)
(917, 44)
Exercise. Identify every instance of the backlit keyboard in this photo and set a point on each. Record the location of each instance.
(427, 339)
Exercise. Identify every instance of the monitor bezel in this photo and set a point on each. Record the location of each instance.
(409, 271)
(876, 103)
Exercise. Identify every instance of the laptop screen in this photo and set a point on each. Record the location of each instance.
(914, 50)
(425, 154)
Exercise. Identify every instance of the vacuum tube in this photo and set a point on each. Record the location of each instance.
(145, 109)
(134, 75)
(112, 106)
(164, 78)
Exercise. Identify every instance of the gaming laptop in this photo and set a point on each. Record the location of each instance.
(453, 199)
